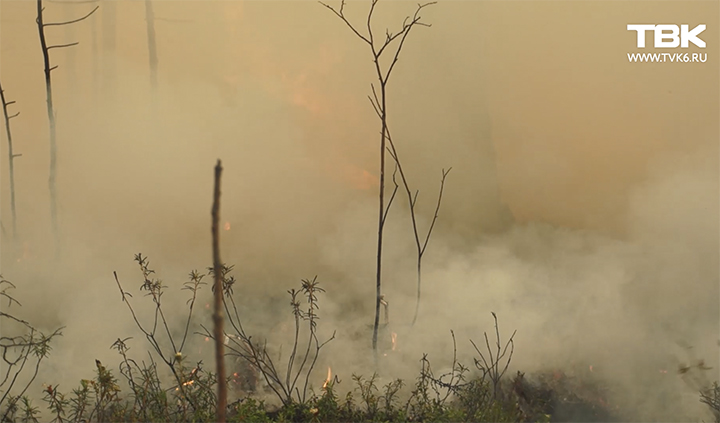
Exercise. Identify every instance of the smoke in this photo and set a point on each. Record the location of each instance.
(581, 209)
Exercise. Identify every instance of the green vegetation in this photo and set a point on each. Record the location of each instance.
(143, 391)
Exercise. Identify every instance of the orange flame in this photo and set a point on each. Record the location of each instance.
(329, 378)
(394, 340)
(188, 383)
(227, 226)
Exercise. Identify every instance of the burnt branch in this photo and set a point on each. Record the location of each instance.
(74, 20)
(63, 46)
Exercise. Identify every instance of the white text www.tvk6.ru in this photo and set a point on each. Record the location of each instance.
(667, 57)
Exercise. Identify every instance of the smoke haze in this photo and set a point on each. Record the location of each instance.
(582, 206)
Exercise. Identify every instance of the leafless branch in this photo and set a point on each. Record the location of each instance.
(341, 15)
(63, 45)
(74, 20)
(421, 245)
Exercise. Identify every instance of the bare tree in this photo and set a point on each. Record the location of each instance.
(11, 158)
(218, 314)
(379, 47)
(51, 111)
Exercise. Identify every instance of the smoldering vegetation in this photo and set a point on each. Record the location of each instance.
(582, 210)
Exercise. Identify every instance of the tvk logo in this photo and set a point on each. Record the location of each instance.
(668, 36)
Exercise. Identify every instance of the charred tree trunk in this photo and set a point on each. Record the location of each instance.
(219, 333)
(11, 160)
(52, 179)
(381, 218)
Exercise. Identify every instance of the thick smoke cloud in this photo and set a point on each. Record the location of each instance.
(582, 207)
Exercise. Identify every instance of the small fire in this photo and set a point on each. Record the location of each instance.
(329, 378)
(188, 383)
(591, 368)
(393, 337)
(227, 226)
